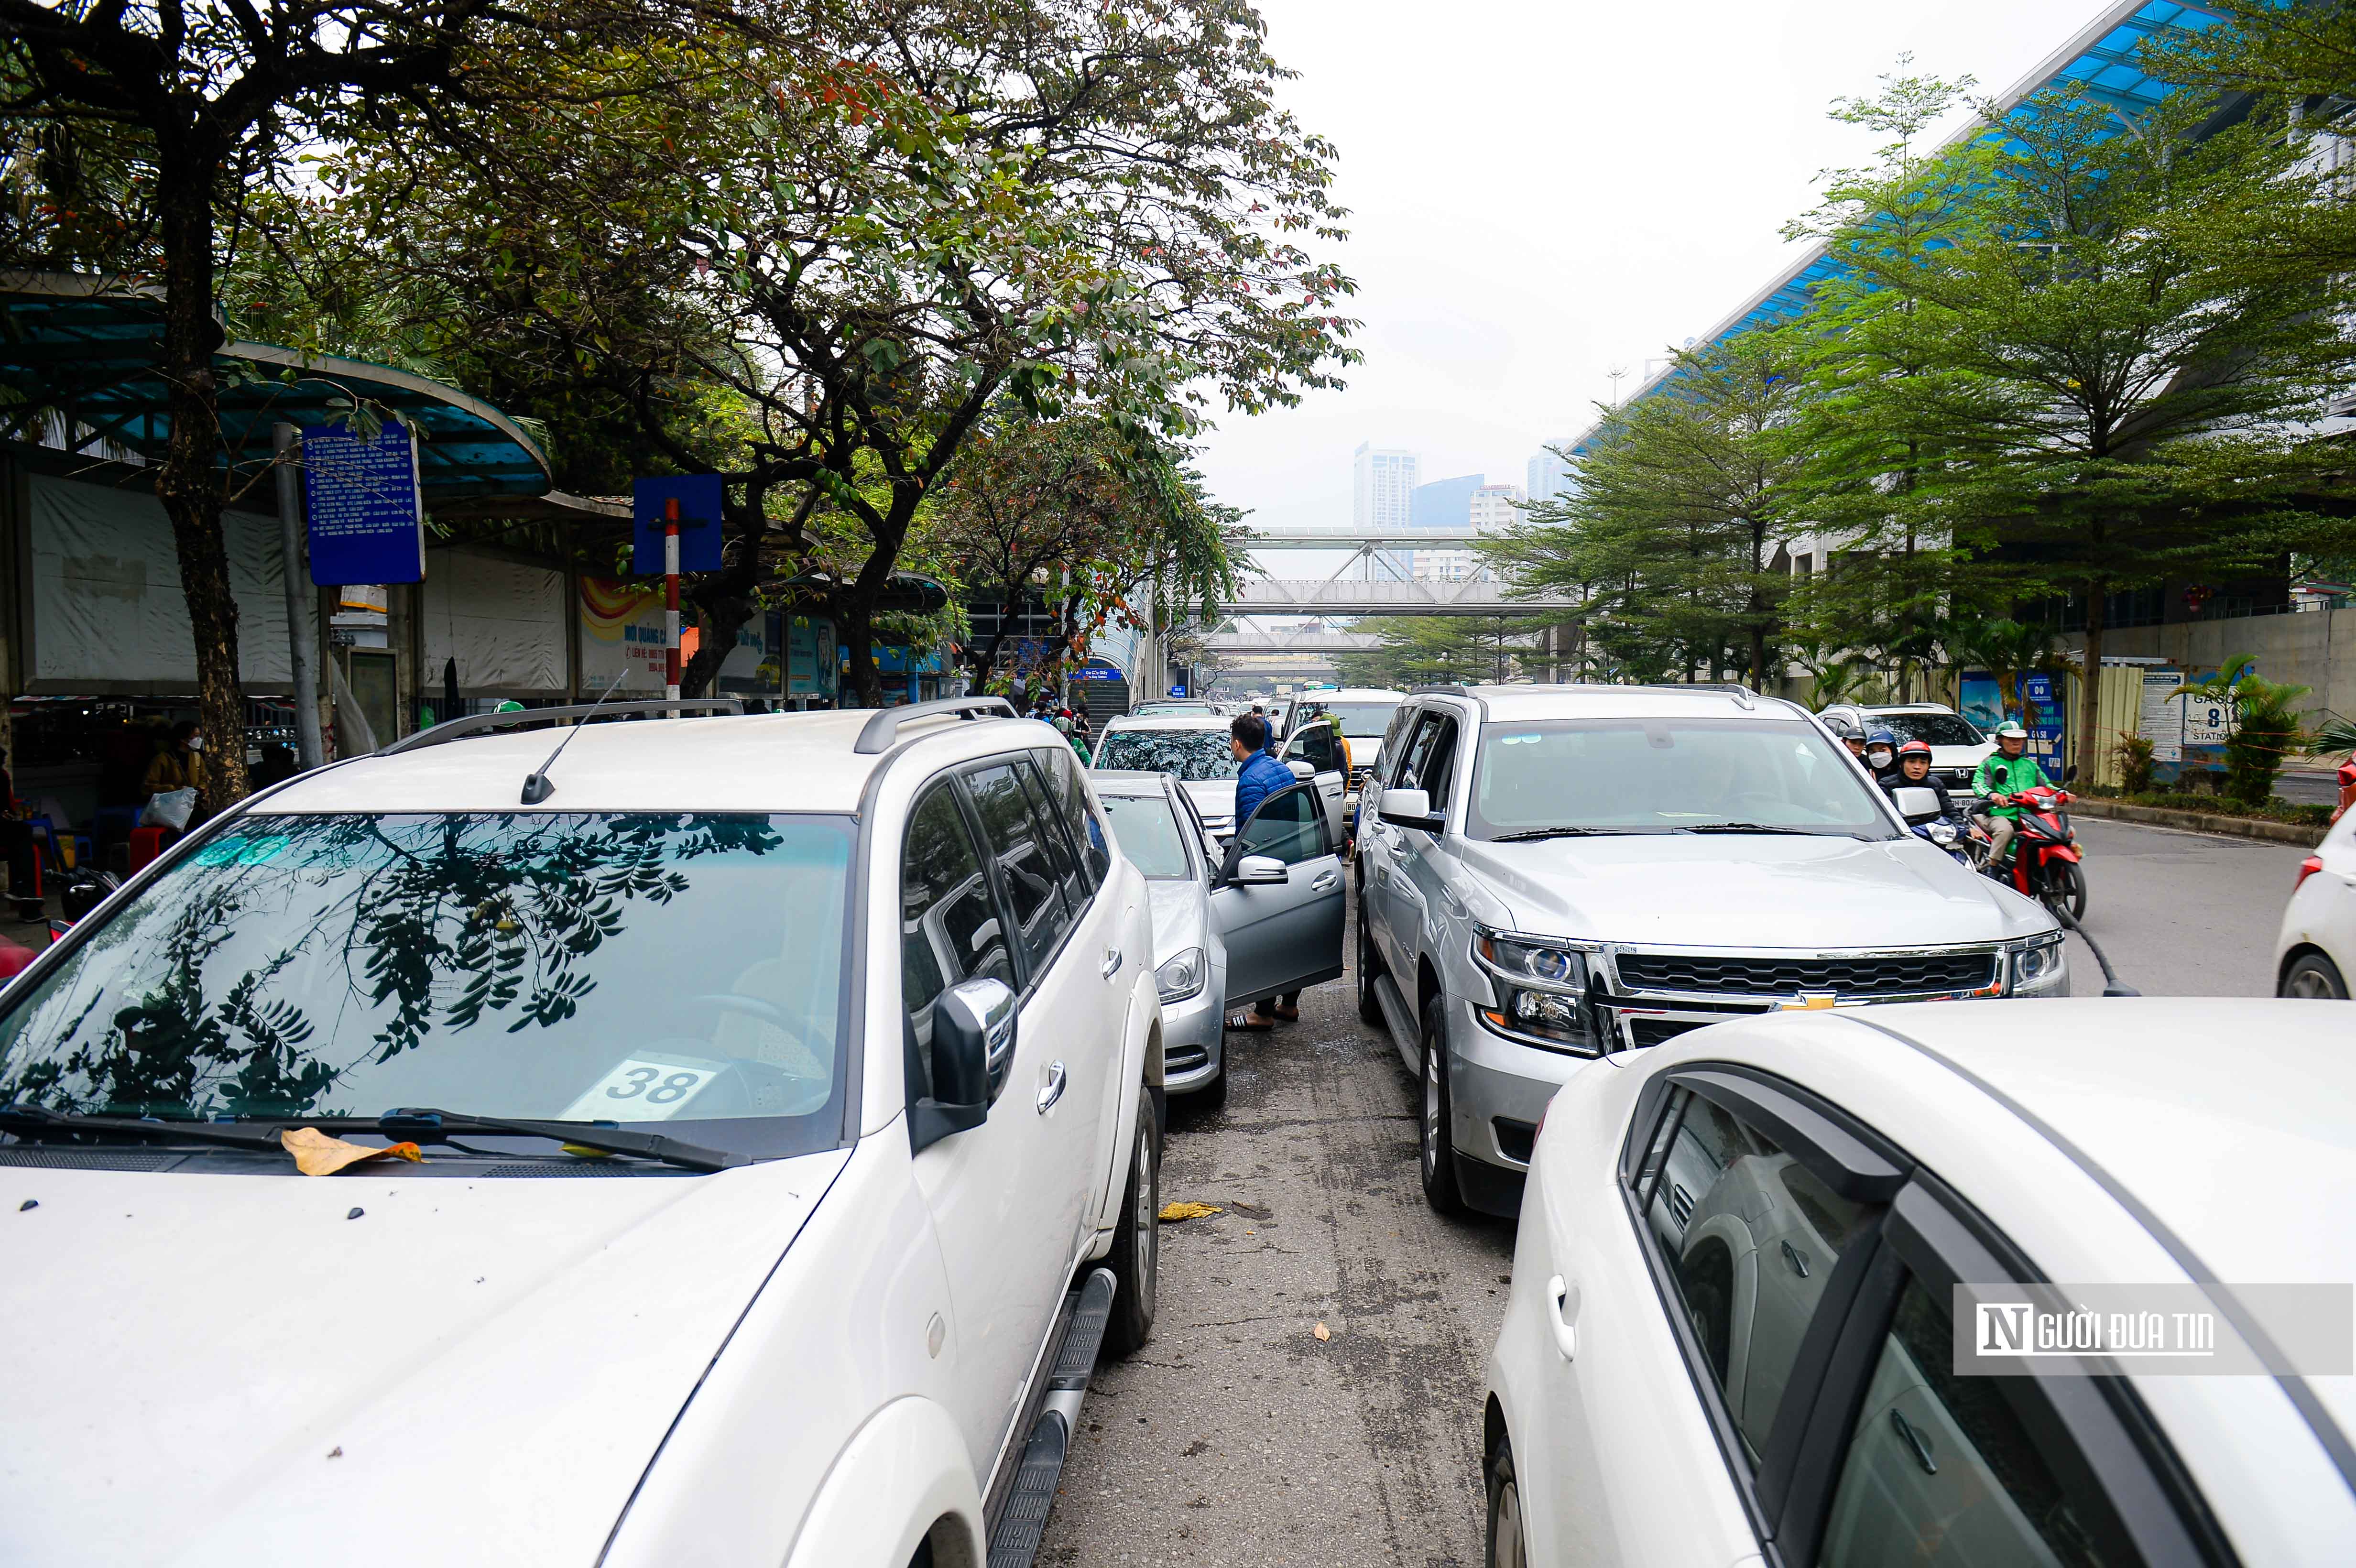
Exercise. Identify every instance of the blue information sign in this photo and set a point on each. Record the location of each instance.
(2045, 726)
(698, 495)
(368, 524)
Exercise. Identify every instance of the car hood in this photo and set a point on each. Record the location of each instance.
(1214, 798)
(1178, 917)
(234, 1368)
(1768, 891)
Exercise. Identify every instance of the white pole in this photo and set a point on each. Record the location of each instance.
(286, 443)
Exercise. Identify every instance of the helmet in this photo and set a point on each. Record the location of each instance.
(2010, 730)
(1881, 738)
(1064, 722)
(510, 706)
(1845, 729)
(1916, 749)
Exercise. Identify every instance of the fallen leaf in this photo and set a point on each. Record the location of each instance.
(316, 1154)
(1171, 1213)
(1322, 1332)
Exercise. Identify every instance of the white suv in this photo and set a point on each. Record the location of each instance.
(778, 1080)
(1549, 873)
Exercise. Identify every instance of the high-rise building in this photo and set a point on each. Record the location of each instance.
(1444, 505)
(1382, 481)
(1496, 508)
(1549, 475)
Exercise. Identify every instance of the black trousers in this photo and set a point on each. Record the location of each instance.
(16, 844)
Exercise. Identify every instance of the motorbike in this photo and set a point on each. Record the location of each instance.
(2045, 861)
(1963, 845)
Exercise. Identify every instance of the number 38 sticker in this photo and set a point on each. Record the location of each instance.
(642, 1089)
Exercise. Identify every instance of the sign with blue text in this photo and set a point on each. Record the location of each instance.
(366, 511)
(2044, 713)
(698, 495)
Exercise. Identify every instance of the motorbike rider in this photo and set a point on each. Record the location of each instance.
(2002, 774)
(1850, 735)
(1881, 756)
(1914, 771)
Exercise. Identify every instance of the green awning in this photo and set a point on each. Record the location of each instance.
(79, 357)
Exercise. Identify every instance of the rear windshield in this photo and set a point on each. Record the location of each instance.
(1194, 756)
(1149, 837)
(1931, 729)
(1664, 775)
(633, 967)
(1359, 720)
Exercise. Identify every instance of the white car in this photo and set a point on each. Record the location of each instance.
(1957, 746)
(2316, 949)
(1260, 916)
(1360, 715)
(779, 1080)
(1194, 750)
(1732, 1336)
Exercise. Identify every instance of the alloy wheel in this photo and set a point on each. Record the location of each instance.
(1431, 1110)
(1506, 1549)
(2310, 985)
(1145, 1225)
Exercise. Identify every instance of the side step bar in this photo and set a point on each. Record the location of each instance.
(1023, 1524)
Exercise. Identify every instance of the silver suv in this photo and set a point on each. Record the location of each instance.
(1551, 873)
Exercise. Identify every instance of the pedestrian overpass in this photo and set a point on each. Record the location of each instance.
(1368, 580)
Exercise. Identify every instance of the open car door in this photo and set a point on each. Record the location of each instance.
(1277, 897)
(1320, 746)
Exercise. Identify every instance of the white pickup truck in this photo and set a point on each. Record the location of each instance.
(785, 1090)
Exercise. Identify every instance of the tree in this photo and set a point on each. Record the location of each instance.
(2267, 728)
(1439, 650)
(2113, 378)
(1675, 526)
(186, 108)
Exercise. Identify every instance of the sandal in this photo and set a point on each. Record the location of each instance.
(1251, 1021)
(1287, 1014)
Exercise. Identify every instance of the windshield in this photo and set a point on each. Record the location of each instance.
(1931, 729)
(1359, 720)
(1149, 835)
(1192, 754)
(1660, 775)
(635, 967)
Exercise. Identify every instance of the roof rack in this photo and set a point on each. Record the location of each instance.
(885, 727)
(481, 723)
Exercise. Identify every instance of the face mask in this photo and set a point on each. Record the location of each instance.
(1878, 759)
(195, 742)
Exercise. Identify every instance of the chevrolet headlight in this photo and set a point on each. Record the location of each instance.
(2037, 963)
(1541, 990)
(1183, 975)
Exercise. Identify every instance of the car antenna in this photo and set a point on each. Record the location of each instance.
(536, 787)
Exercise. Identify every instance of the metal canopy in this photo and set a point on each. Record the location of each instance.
(2097, 64)
(85, 349)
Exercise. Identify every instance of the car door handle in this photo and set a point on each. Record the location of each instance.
(1325, 882)
(1566, 1337)
(1912, 1437)
(1052, 1089)
(1797, 1259)
(1111, 963)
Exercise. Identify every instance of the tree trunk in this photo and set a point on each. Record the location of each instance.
(187, 482)
(857, 632)
(2090, 690)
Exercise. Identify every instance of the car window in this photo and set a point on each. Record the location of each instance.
(1288, 825)
(1150, 835)
(1750, 1238)
(1029, 874)
(1315, 744)
(1194, 756)
(635, 966)
(1439, 766)
(1409, 765)
(949, 929)
(1051, 835)
(1933, 729)
(1942, 1471)
(1071, 797)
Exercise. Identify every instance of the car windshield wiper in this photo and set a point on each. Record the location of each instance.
(425, 1125)
(1528, 834)
(1741, 828)
(34, 1123)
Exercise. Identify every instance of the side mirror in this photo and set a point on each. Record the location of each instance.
(1407, 808)
(973, 1047)
(1914, 802)
(1301, 770)
(1260, 872)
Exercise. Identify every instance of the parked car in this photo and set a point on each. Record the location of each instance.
(1731, 1332)
(1360, 716)
(1261, 916)
(847, 1014)
(2316, 946)
(1957, 746)
(1550, 871)
(1194, 749)
(1161, 706)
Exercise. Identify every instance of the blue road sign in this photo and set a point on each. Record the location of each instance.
(361, 497)
(699, 522)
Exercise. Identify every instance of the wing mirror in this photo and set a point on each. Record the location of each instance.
(1914, 802)
(1301, 770)
(1407, 808)
(972, 1050)
(1260, 872)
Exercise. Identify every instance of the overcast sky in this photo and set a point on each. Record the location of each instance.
(1543, 190)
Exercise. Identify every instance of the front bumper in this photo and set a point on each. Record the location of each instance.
(1192, 1037)
(1493, 1081)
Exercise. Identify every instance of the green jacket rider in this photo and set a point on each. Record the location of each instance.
(2008, 770)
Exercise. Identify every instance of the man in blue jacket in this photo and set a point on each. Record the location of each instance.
(1259, 776)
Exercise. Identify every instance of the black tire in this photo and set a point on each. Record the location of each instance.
(1370, 1007)
(2315, 977)
(1136, 1259)
(1437, 1154)
(1508, 1542)
(2065, 886)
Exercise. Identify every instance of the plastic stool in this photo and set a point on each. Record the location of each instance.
(146, 843)
(44, 841)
